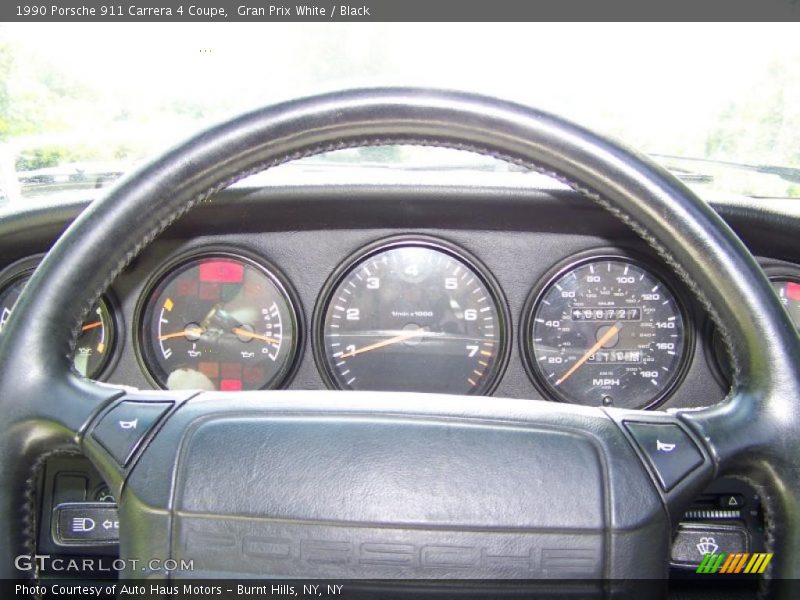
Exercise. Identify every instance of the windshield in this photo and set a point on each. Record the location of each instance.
(80, 104)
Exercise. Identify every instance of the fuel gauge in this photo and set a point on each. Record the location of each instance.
(95, 343)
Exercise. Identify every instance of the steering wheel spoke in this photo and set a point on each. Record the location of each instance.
(753, 436)
(342, 481)
(40, 418)
(680, 462)
(117, 434)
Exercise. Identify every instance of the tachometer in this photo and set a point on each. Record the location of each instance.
(218, 322)
(412, 315)
(606, 331)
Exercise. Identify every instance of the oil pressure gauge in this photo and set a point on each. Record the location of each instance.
(218, 321)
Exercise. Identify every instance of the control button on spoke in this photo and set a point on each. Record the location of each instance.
(669, 450)
(122, 429)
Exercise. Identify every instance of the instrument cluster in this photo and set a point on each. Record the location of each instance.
(407, 313)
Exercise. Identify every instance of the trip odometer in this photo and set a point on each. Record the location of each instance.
(606, 331)
(412, 315)
(218, 322)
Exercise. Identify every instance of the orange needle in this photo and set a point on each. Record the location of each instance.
(92, 325)
(180, 333)
(398, 338)
(614, 330)
(240, 331)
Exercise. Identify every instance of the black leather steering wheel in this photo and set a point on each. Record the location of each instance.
(401, 485)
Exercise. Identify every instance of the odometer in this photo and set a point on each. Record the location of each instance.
(606, 332)
(218, 322)
(412, 315)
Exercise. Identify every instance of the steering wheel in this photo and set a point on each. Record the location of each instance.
(391, 485)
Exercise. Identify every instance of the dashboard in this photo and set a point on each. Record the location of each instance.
(496, 289)
(408, 288)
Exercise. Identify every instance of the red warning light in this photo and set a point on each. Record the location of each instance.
(221, 271)
(230, 385)
(793, 290)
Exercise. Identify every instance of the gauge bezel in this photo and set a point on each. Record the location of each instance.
(455, 251)
(25, 267)
(171, 266)
(575, 261)
(19, 268)
(774, 270)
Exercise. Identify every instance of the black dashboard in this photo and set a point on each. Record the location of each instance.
(309, 238)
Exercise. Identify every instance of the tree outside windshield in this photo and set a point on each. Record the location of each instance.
(82, 104)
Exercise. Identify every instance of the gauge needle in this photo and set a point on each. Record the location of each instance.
(388, 342)
(612, 331)
(198, 332)
(251, 334)
(92, 325)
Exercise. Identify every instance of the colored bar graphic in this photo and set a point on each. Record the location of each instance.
(763, 566)
(711, 563)
(727, 567)
(701, 568)
(742, 562)
(754, 564)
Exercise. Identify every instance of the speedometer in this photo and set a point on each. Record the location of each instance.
(412, 315)
(606, 331)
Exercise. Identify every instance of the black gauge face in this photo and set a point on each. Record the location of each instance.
(218, 322)
(607, 332)
(95, 343)
(416, 316)
(788, 290)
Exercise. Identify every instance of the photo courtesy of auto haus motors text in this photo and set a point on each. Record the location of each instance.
(153, 590)
(393, 300)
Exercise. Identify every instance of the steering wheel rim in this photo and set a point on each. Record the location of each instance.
(752, 434)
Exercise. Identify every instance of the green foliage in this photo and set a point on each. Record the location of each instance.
(34, 96)
(762, 126)
(42, 157)
(39, 158)
(45, 156)
(5, 72)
